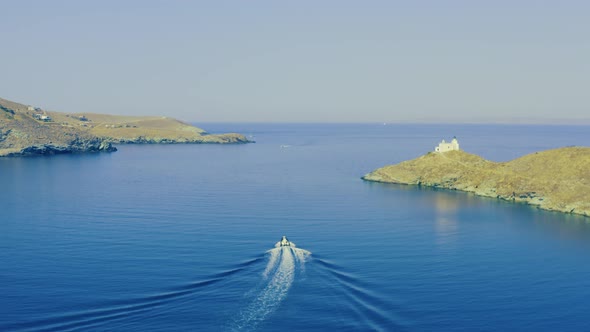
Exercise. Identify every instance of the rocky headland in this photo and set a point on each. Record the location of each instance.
(556, 180)
(26, 130)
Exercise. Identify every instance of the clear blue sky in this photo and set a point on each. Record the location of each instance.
(301, 61)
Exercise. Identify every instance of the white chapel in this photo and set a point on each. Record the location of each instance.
(444, 146)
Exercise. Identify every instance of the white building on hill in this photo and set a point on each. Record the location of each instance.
(444, 146)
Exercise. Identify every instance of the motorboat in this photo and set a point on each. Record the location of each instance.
(285, 243)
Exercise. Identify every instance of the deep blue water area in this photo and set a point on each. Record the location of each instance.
(181, 237)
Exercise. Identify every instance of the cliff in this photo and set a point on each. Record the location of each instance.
(557, 180)
(27, 131)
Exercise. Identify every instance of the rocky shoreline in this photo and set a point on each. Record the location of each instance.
(554, 180)
(50, 149)
(204, 139)
(30, 131)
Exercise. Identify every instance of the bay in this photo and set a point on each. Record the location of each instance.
(180, 237)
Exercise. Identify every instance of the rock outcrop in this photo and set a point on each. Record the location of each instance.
(557, 180)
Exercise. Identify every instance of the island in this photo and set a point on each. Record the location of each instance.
(27, 130)
(556, 180)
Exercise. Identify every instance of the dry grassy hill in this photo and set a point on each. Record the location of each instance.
(143, 129)
(553, 180)
(22, 134)
(25, 130)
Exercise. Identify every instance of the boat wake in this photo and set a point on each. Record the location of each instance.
(369, 309)
(101, 315)
(284, 262)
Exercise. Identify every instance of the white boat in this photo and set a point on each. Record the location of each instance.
(285, 243)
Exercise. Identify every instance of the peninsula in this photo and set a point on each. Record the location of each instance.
(556, 180)
(27, 130)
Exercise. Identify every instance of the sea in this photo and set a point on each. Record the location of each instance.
(182, 237)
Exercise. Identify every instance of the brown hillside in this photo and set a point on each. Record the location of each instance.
(554, 180)
(26, 131)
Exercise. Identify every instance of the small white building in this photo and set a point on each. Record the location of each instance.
(444, 146)
(42, 117)
(30, 108)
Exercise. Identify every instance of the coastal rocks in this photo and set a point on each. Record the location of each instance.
(50, 149)
(43, 149)
(91, 145)
(106, 146)
(79, 145)
(200, 139)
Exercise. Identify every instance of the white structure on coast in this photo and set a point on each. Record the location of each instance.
(444, 146)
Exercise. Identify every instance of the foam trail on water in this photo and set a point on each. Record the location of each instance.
(280, 274)
(301, 256)
(272, 261)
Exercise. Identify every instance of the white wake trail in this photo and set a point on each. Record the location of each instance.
(272, 261)
(280, 273)
(301, 256)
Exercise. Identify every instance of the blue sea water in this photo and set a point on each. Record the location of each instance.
(181, 237)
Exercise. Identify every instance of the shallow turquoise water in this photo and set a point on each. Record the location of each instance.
(159, 238)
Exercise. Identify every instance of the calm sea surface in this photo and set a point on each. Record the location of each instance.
(179, 238)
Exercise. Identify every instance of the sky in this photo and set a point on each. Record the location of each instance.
(301, 61)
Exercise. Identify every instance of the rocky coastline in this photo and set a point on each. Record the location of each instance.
(554, 180)
(31, 131)
(50, 149)
(203, 139)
